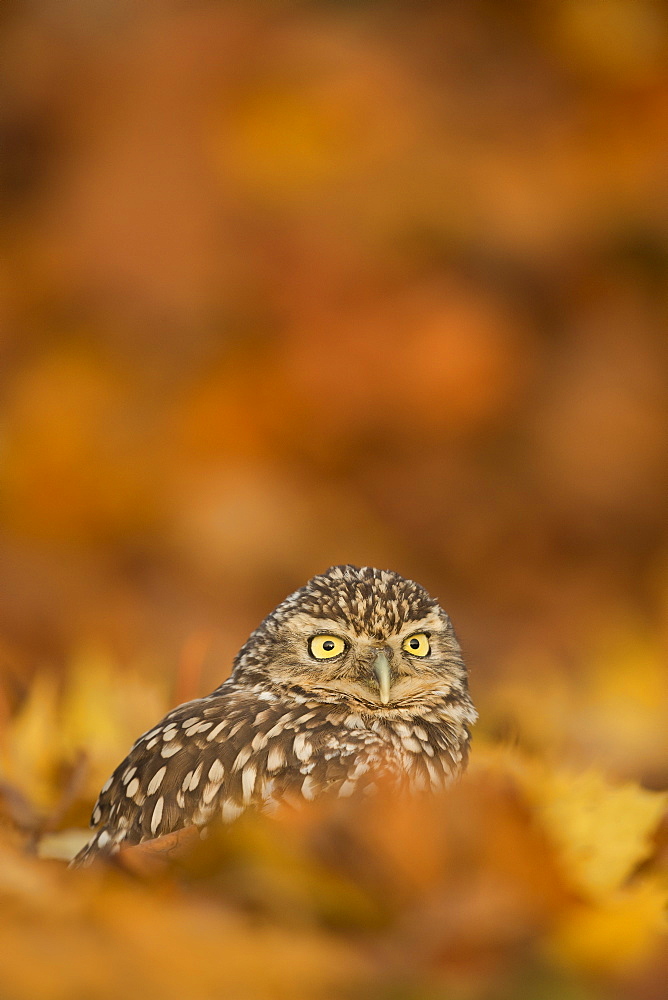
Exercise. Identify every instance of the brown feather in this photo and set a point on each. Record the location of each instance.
(285, 726)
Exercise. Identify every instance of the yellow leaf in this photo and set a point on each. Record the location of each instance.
(603, 831)
(28, 750)
(613, 936)
(103, 711)
(99, 713)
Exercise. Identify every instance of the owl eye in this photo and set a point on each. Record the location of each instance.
(324, 647)
(417, 645)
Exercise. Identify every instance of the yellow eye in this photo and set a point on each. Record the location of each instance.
(324, 647)
(417, 645)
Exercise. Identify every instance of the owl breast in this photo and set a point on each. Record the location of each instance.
(315, 748)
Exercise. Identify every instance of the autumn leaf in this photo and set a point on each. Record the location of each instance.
(603, 831)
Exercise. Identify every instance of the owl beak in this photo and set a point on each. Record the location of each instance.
(381, 668)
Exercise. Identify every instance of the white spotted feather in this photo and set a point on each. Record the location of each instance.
(285, 726)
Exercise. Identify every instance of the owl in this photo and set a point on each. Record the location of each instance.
(356, 677)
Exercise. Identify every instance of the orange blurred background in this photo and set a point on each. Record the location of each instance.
(292, 284)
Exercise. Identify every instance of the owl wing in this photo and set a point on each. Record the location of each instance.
(218, 755)
(173, 774)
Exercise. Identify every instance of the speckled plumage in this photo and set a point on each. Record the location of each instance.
(286, 726)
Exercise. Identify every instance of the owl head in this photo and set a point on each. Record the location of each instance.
(368, 634)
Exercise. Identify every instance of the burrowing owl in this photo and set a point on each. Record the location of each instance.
(356, 675)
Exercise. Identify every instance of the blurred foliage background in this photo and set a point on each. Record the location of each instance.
(287, 284)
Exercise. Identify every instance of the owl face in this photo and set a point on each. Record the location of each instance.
(367, 634)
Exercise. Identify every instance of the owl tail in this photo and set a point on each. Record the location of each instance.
(101, 844)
